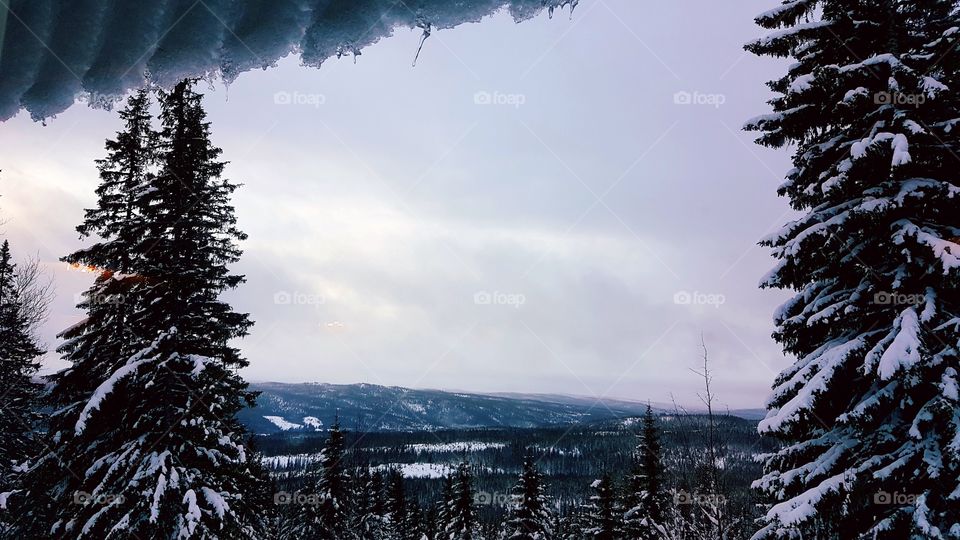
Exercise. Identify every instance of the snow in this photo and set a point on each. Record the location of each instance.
(901, 154)
(282, 423)
(463, 446)
(904, 352)
(819, 367)
(290, 461)
(789, 33)
(4, 497)
(314, 422)
(932, 86)
(192, 516)
(942, 249)
(107, 386)
(417, 470)
(804, 506)
(800, 84)
(949, 386)
(415, 407)
(771, 15)
(102, 391)
(100, 58)
(217, 502)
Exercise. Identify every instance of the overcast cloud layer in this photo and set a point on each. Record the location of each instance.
(558, 206)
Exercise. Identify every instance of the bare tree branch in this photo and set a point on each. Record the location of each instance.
(35, 290)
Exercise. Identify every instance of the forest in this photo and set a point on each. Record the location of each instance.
(138, 436)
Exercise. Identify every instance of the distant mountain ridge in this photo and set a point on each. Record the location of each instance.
(297, 408)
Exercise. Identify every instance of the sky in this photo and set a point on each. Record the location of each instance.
(559, 206)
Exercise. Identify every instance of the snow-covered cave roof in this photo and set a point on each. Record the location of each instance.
(54, 52)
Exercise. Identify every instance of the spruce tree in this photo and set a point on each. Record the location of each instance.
(528, 515)
(603, 517)
(104, 339)
(870, 411)
(444, 505)
(18, 365)
(397, 507)
(646, 498)
(156, 444)
(461, 514)
(330, 518)
(369, 518)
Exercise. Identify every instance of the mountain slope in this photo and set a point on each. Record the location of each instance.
(312, 406)
(307, 407)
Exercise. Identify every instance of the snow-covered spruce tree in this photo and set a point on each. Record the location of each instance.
(368, 519)
(528, 514)
(330, 519)
(603, 516)
(444, 505)
(168, 457)
(869, 413)
(185, 451)
(104, 340)
(646, 497)
(397, 507)
(461, 514)
(19, 404)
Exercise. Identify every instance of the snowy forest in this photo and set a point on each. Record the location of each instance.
(142, 429)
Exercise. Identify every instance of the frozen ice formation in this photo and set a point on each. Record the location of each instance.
(54, 52)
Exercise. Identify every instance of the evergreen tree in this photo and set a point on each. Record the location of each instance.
(604, 519)
(461, 515)
(370, 517)
(646, 498)
(18, 365)
(157, 443)
(443, 508)
(104, 340)
(870, 411)
(529, 516)
(330, 518)
(397, 507)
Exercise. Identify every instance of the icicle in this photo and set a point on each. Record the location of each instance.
(426, 33)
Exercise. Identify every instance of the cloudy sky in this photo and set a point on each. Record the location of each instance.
(562, 205)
